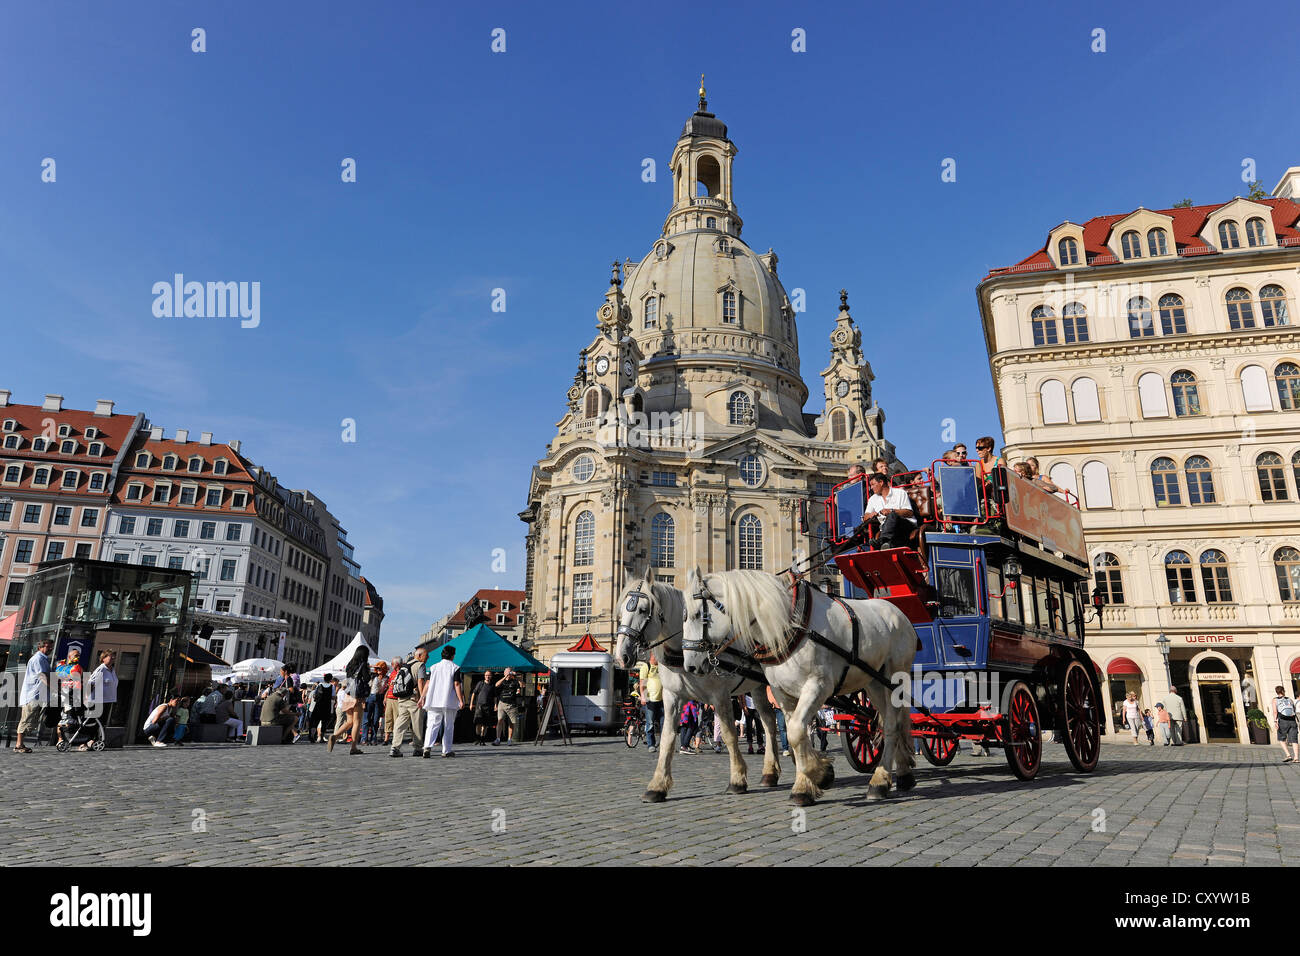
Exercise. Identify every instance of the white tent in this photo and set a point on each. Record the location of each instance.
(339, 664)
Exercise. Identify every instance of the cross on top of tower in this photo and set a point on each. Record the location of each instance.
(704, 103)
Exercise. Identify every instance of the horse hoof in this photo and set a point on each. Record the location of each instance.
(767, 780)
(906, 782)
(801, 800)
(876, 792)
(738, 788)
(654, 796)
(828, 777)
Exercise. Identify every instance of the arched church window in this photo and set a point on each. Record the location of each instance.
(652, 312)
(591, 406)
(662, 541)
(739, 408)
(751, 470)
(749, 543)
(711, 222)
(839, 425)
(584, 540)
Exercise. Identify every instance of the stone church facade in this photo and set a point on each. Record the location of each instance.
(684, 442)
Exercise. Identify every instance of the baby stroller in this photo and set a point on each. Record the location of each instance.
(76, 729)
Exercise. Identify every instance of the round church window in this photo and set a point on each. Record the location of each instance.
(584, 468)
(751, 470)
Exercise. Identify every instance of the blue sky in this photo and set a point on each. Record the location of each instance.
(522, 170)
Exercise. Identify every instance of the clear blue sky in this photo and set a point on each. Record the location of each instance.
(522, 171)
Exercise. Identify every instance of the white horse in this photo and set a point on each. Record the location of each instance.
(650, 621)
(751, 610)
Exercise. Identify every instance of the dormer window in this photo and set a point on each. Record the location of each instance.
(162, 493)
(219, 466)
(92, 432)
(651, 313)
(505, 605)
(484, 604)
(68, 447)
(238, 500)
(169, 463)
(70, 479)
(96, 449)
(501, 619)
(1132, 245)
(188, 494)
(1228, 238)
(1255, 233)
(97, 481)
(38, 444)
(134, 491)
(13, 441)
(65, 431)
(1157, 243)
(1067, 251)
(729, 315)
(213, 498)
(41, 477)
(195, 465)
(10, 425)
(142, 460)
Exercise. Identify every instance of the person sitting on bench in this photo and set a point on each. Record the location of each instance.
(889, 513)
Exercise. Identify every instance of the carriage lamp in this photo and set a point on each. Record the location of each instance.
(1098, 602)
(1012, 569)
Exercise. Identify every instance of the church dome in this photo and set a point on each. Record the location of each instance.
(704, 124)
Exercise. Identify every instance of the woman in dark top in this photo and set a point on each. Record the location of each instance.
(484, 701)
(357, 686)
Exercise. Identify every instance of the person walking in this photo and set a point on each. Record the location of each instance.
(358, 689)
(483, 700)
(1284, 721)
(375, 702)
(1177, 715)
(35, 694)
(390, 702)
(509, 708)
(1149, 727)
(1132, 715)
(687, 724)
(780, 723)
(1162, 721)
(651, 691)
(443, 699)
(408, 689)
(319, 706)
(103, 688)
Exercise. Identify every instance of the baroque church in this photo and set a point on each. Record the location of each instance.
(684, 442)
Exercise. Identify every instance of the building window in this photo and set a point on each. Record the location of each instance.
(729, 308)
(581, 598)
(1087, 407)
(1255, 234)
(1187, 401)
(1200, 481)
(126, 525)
(89, 517)
(31, 514)
(1052, 395)
(652, 312)
(83, 550)
(1067, 250)
(710, 222)
(142, 460)
(1043, 321)
(23, 555)
(584, 540)
(1241, 313)
(1173, 315)
(6, 510)
(1295, 469)
(1272, 478)
(68, 448)
(1286, 562)
(12, 441)
(662, 541)
(1157, 244)
(149, 560)
(1164, 481)
(1214, 578)
(62, 515)
(749, 543)
(153, 527)
(1178, 578)
(1106, 571)
(188, 494)
(213, 498)
(15, 593)
(181, 529)
(233, 532)
(41, 477)
(822, 489)
(1272, 306)
(228, 569)
(162, 494)
(1139, 318)
(14, 473)
(1096, 485)
(839, 425)
(223, 605)
(751, 470)
(1074, 323)
(97, 481)
(54, 551)
(219, 466)
(169, 463)
(591, 404)
(134, 492)
(195, 465)
(1151, 396)
(1131, 243)
(1228, 238)
(208, 530)
(739, 408)
(238, 500)
(583, 468)
(96, 449)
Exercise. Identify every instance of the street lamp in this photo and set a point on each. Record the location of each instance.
(1163, 643)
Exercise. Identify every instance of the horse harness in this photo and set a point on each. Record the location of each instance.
(678, 658)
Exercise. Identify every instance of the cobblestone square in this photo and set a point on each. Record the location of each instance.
(523, 804)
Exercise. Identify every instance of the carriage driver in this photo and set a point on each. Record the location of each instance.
(889, 511)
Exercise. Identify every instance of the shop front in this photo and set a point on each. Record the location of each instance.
(141, 613)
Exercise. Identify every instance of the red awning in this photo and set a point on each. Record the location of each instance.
(1295, 666)
(588, 643)
(8, 626)
(1122, 666)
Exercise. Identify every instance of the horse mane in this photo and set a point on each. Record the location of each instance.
(757, 597)
(669, 600)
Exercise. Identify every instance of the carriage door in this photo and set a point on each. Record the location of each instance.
(959, 625)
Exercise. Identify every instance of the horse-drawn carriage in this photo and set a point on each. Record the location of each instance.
(996, 591)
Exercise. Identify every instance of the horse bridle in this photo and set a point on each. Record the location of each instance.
(704, 645)
(634, 635)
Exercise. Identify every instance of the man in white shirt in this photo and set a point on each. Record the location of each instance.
(890, 509)
(443, 697)
(34, 695)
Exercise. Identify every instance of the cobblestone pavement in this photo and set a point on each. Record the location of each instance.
(1191, 806)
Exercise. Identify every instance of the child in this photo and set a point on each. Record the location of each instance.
(1151, 731)
(182, 716)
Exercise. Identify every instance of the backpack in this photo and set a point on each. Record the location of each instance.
(404, 683)
(320, 697)
(1285, 707)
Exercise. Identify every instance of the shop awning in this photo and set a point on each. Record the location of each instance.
(1295, 666)
(8, 626)
(197, 654)
(1122, 666)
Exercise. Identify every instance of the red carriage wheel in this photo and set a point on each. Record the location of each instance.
(1024, 739)
(1081, 717)
(864, 742)
(939, 750)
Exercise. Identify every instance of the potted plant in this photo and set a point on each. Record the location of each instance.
(1257, 721)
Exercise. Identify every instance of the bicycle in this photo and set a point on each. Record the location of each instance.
(633, 728)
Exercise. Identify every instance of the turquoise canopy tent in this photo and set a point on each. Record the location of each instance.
(483, 649)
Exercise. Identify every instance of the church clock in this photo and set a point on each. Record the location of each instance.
(602, 365)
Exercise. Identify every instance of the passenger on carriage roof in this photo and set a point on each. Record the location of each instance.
(1045, 483)
(959, 450)
(856, 470)
(890, 511)
(987, 461)
(880, 467)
